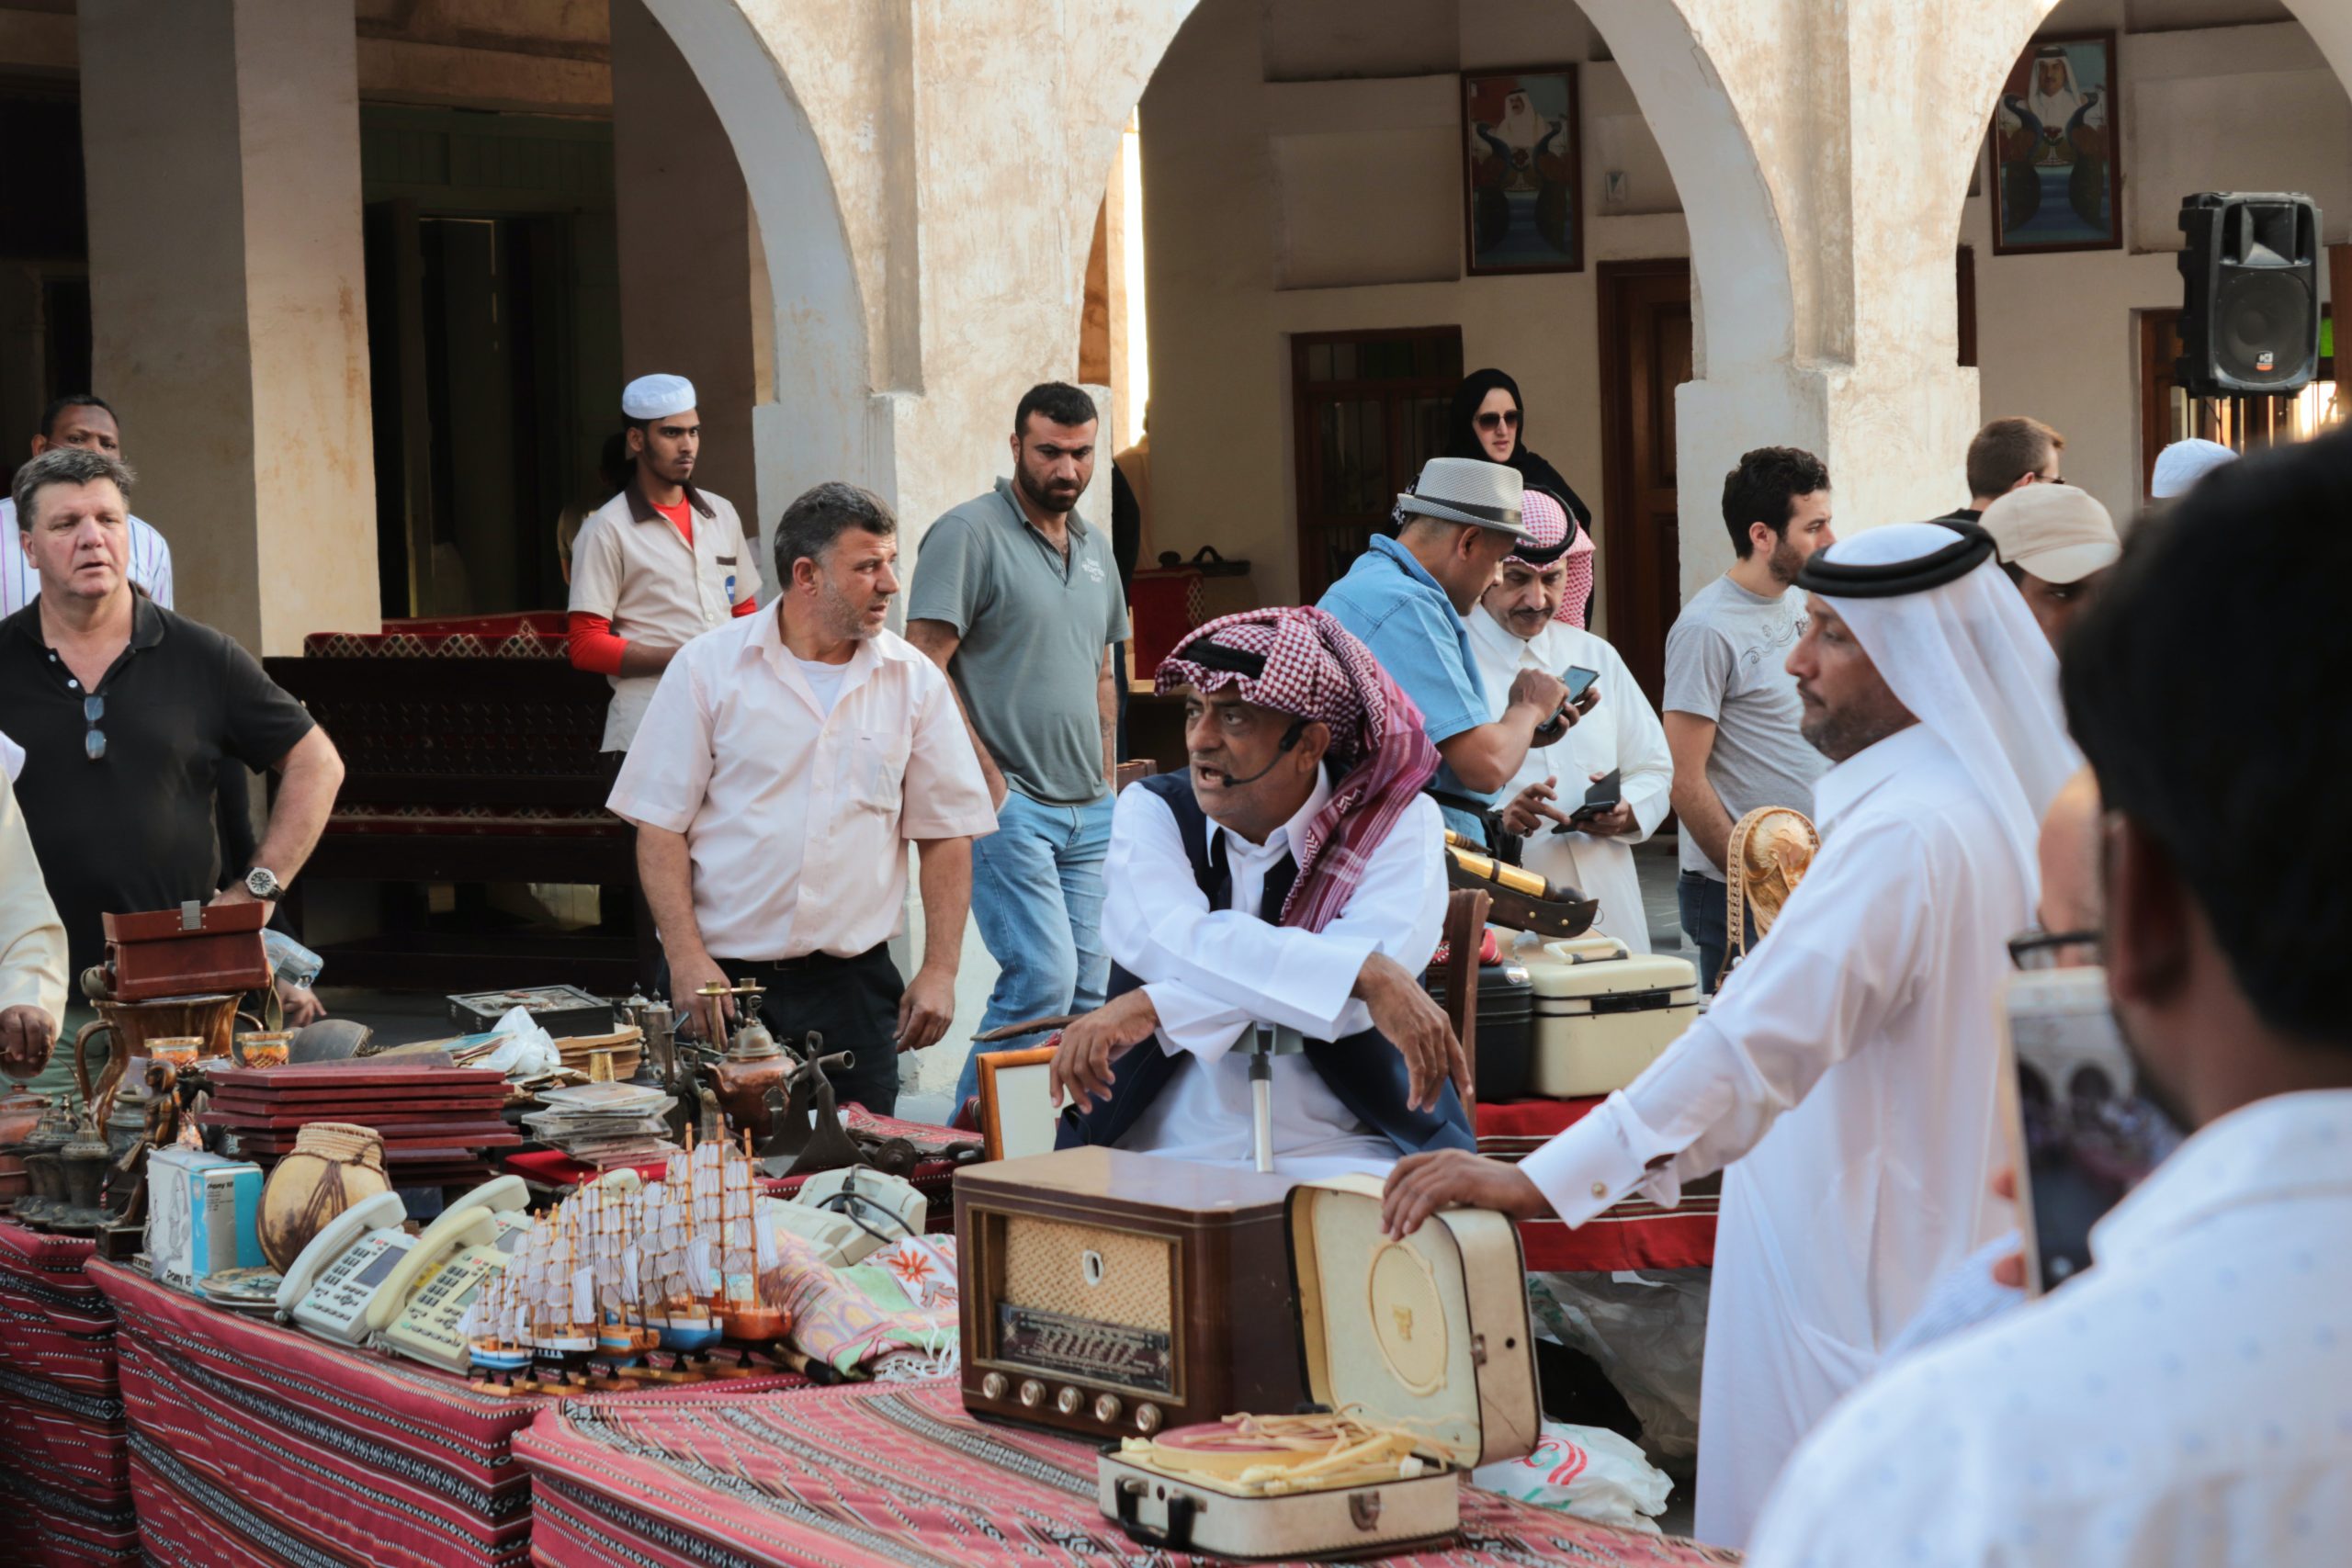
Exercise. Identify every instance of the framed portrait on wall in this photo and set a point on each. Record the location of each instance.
(2058, 149)
(1522, 184)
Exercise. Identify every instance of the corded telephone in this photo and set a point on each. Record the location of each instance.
(851, 1213)
(362, 1274)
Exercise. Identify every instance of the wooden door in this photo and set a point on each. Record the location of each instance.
(1371, 409)
(1645, 355)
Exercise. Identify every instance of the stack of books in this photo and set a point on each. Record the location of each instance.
(605, 1123)
(437, 1122)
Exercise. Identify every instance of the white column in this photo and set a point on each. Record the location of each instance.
(227, 302)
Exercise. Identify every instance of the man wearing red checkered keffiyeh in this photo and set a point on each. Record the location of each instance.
(1292, 875)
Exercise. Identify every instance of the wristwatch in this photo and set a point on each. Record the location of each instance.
(263, 883)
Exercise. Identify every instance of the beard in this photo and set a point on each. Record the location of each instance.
(1785, 561)
(842, 615)
(1045, 497)
(1840, 733)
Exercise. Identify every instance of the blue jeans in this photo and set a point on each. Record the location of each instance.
(1704, 901)
(1037, 895)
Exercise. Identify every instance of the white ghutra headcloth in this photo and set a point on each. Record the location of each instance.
(1950, 636)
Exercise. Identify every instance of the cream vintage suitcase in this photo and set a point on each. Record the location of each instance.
(1603, 1013)
(1430, 1334)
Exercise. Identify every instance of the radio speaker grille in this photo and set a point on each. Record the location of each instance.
(1048, 1267)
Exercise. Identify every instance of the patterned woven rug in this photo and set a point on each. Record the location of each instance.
(865, 1477)
(64, 1446)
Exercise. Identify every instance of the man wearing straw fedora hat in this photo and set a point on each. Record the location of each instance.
(1404, 598)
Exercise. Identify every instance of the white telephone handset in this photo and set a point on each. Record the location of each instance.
(470, 1222)
(366, 1238)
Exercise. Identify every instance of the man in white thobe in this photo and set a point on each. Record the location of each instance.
(1846, 1075)
(2186, 1400)
(1293, 874)
(1515, 628)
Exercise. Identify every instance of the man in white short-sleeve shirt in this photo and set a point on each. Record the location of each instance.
(786, 760)
(659, 564)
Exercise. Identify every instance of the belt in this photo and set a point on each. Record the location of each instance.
(805, 961)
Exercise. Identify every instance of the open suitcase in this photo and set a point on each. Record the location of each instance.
(1430, 1334)
(1604, 1013)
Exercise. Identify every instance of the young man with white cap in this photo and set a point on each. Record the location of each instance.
(2183, 463)
(1404, 598)
(1516, 626)
(659, 563)
(2056, 543)
(1846, 1073)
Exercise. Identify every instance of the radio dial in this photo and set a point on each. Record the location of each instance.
(1032, 1393)
(994, 1385)
(1107, 1409)
(1067, 1400)
(1147, 1418)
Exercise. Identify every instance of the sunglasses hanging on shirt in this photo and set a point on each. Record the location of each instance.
(94, 741)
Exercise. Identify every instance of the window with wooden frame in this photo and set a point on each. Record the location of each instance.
(1370, 408)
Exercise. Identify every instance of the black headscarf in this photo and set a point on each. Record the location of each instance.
(1461, 441)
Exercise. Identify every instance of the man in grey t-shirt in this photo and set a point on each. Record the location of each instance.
(1017, 597)
(1731, 708)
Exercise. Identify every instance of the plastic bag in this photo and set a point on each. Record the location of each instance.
(1648, 1331)
(524, 1050)
(1586, 1472)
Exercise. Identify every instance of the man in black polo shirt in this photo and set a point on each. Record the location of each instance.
(125, 710)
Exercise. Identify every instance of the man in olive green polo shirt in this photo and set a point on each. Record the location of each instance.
(1017, 597)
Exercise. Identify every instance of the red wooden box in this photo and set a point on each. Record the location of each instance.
(195, 950)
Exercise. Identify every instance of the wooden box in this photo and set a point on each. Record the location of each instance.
(195, 950)
(1431, 1333)
(1110, 1293)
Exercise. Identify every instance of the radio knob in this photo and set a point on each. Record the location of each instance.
(1107, 1409)
(993, 1386)
(1067, 1400)
(1147, 1418)
(1032, 1393)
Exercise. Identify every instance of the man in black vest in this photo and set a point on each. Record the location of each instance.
(1293, 874)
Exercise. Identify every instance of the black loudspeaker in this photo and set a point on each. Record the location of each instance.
(2249, 323)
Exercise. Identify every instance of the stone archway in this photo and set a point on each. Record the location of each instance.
(824, 420)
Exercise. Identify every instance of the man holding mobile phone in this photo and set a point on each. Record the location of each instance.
(2184, 1399)
(1577, 834)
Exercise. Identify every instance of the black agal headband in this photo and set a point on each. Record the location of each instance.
(1892, 580)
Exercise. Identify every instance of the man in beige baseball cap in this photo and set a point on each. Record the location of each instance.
(2056, 543)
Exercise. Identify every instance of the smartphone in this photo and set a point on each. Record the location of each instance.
(1604, 796)
(2080, 1132)
(1579, 681)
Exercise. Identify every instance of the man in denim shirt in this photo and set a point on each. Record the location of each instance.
(1404, 598)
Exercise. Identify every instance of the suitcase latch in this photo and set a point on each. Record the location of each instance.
(191, 915)
(1363, 1509)
(1477, 1350)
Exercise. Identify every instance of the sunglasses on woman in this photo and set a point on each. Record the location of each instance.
(1499, 420)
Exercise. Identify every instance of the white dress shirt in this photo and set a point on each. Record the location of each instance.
(1846, 1076)
(1621, 733)
(2185, 1401)
(150, 564)
(1213, 974)
(797, 813)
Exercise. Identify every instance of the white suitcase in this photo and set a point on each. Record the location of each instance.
(1604, 1013)
(1431, 1333)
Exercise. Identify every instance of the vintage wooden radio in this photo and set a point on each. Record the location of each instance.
(1111, 1293)
(193, 949)
(1420, 1353)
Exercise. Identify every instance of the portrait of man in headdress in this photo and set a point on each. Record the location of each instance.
(1524, 171)
(2055, 144)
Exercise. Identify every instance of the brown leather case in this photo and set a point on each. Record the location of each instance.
(194, 949)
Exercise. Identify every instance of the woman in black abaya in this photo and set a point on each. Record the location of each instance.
(1489, 423)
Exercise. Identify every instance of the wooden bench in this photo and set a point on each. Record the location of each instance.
(470, 756)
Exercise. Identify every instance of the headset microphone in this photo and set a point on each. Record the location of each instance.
(1289, 739)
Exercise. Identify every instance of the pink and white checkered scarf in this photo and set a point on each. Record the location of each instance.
(1545, 523)
(1317, 670)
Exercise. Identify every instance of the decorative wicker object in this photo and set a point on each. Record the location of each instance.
(333, 1166)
